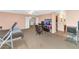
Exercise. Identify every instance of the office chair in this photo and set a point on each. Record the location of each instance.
(38, 29)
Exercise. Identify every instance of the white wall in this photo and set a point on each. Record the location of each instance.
(72, 16)
(53, 23)
(32, 21)
(61, 20)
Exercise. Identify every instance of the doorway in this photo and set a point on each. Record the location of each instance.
(60, 24)
(56, 23)
(65, 27)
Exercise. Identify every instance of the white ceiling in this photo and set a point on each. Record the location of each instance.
(33, 12)
(16, 11)
(41, 12)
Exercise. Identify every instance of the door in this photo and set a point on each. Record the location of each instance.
(27, 22)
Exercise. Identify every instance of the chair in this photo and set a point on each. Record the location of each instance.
(38, 29)
(44, 27)
(11, 35)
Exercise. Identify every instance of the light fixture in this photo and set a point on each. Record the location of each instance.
(31, 12)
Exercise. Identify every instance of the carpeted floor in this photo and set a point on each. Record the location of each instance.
(46, 40)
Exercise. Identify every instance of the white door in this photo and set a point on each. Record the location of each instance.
(27, 22)
(37, 21)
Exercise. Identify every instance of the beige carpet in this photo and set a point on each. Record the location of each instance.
(46, 40)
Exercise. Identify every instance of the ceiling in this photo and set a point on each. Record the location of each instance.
(32, 12)
(16, 11)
